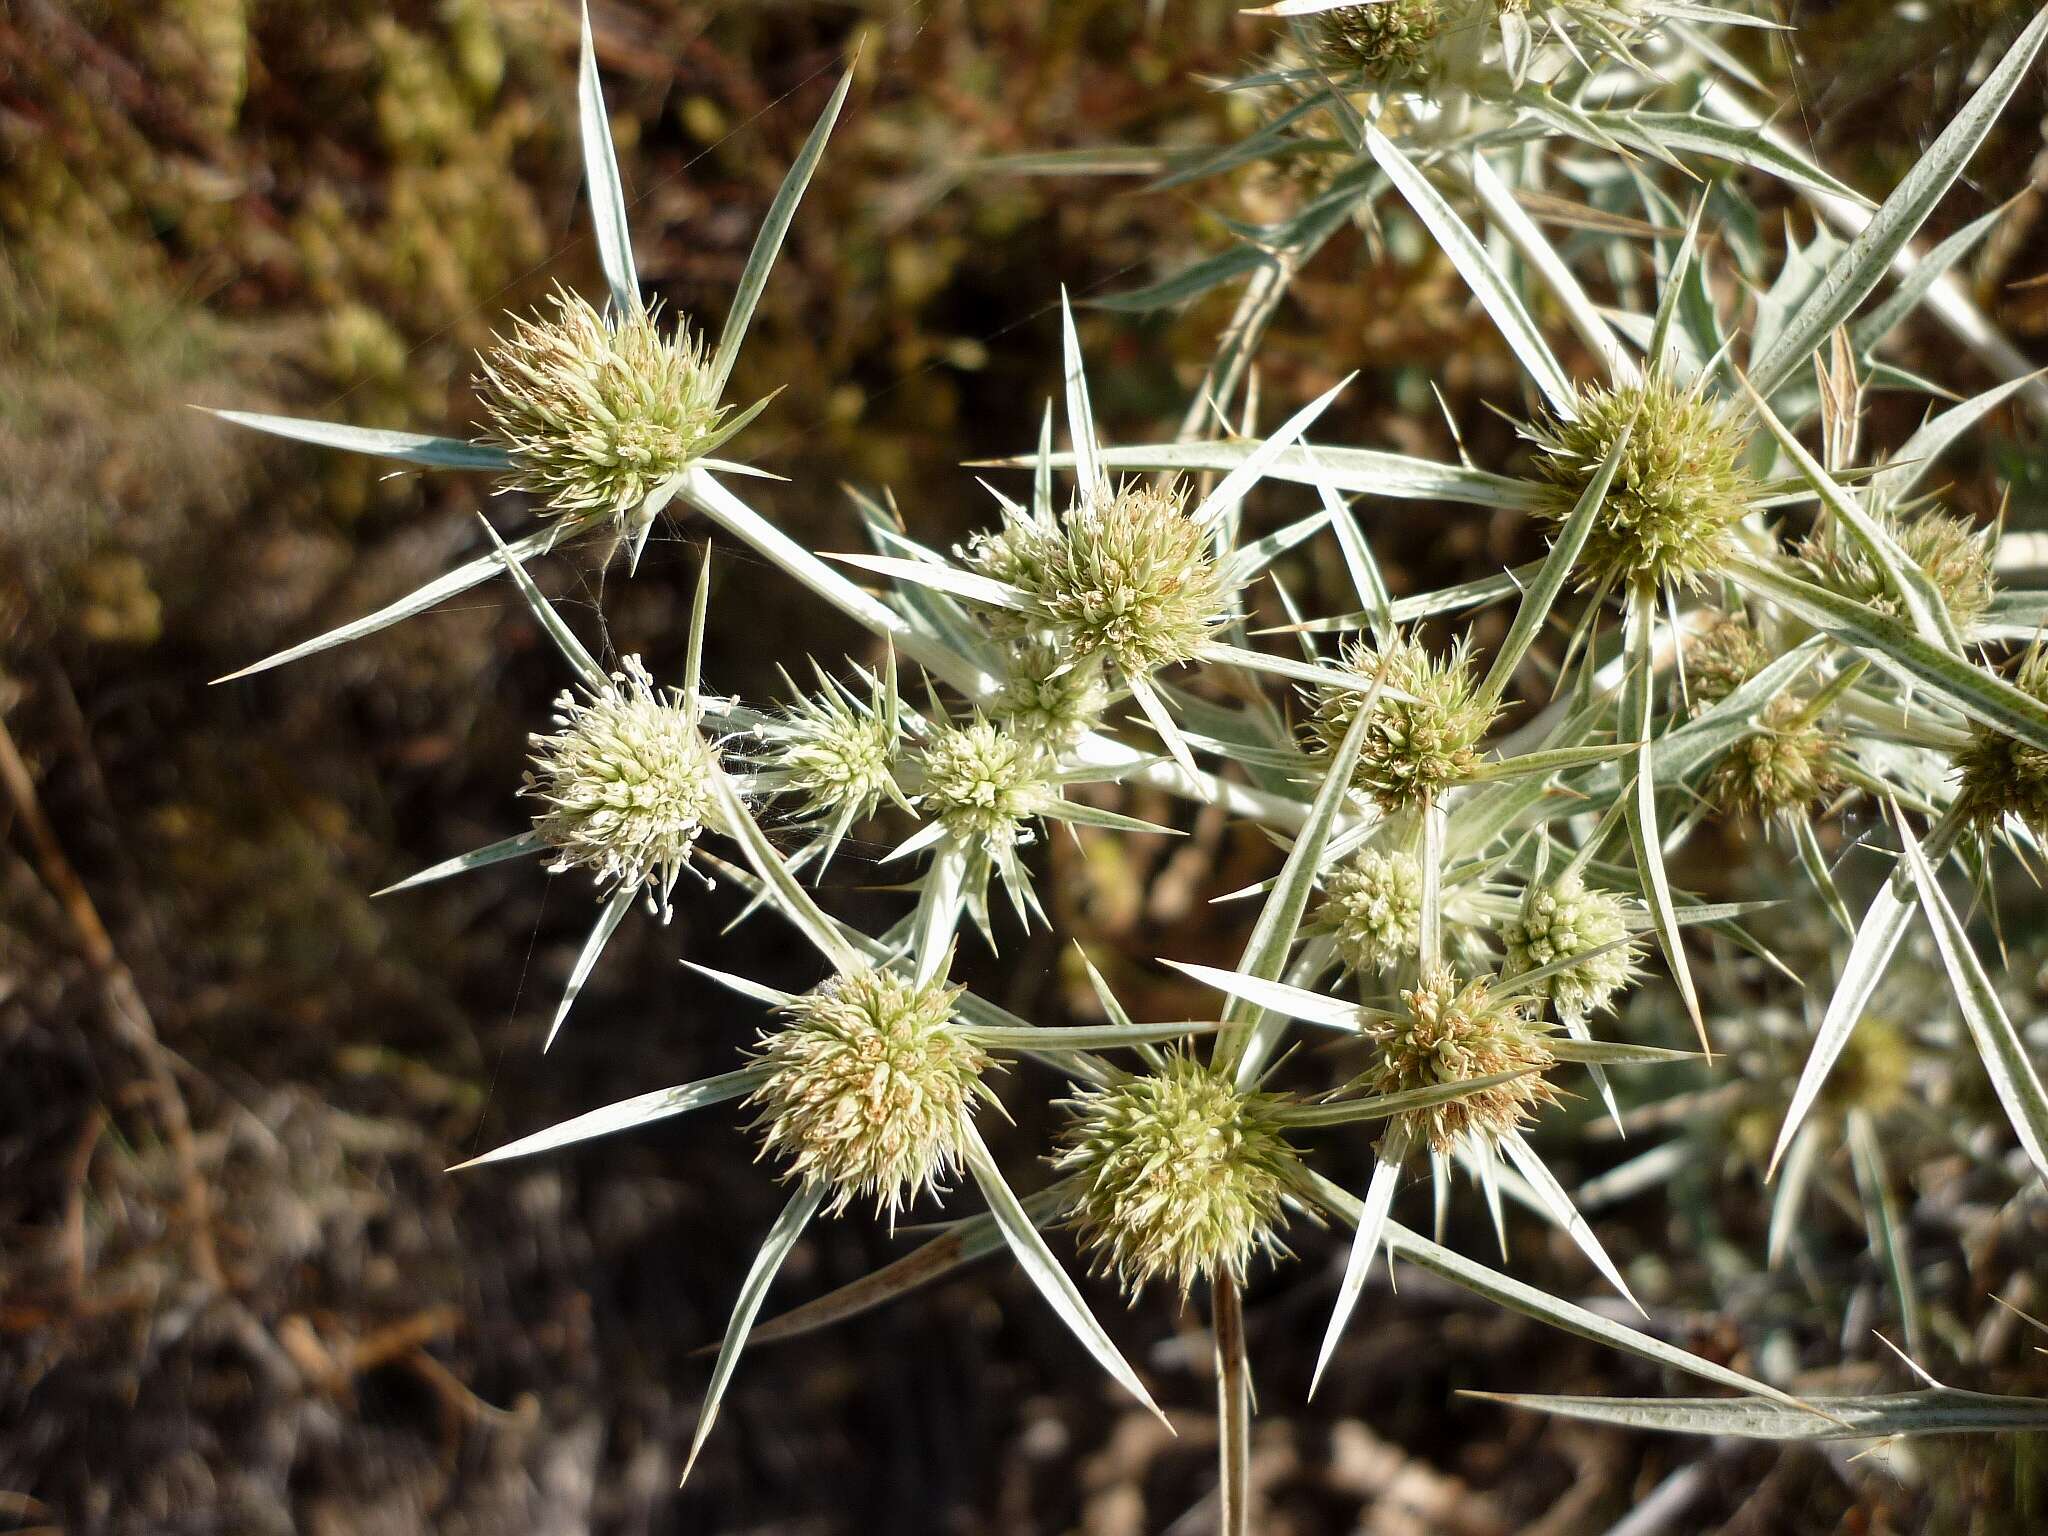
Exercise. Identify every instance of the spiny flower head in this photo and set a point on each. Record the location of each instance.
(1126, 572)
(2003, 776)
(1951, 552)
(1783, 767)
(1048, 698)
(626, 782)
(1679, 491)
(1452, 1032)
(1384, 39)
(982, 782)
(1419, 742)
(597, 410)
(1563, 919)
(1182, 1174)
(833, 753)
(869, 1088)
(1722, 657)
(1372, 909)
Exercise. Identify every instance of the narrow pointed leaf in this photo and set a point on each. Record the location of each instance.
(1936, 1411)
(628, 1114)
(607, 924)
(517, 846)
(411, 447)
(601, 176)
(1365, 1243)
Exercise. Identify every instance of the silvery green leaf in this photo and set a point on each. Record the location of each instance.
(961, 1243)
(1616, 1053)
(1936, 1411)
(1640, 801)
(1084, 1037)
(1392, 475)
(1080, 414)
(461, 579)
(1315, 675)
(1370, 1218)
(1531, 245)
(785, 894)
(628, 1114)
(1495, 293)
(412, 447)
(1710, 734)
(974, 587)
(1278, 996)
(745, 986)
(1080, 814)
(1980, 694)
(1561, 1211)
(774, 229)
(615, 910)
(1896, 480)
(585, 666)
(1858, 269)
(1386, 1105)
(1044, 1270)
(1788, 1200)
(518, 846)
(1272, 936)
(1245, 563)
(601, 175)
(1231, 489)
(2013, 1075)
(1888, 1238)
(1160, 718)
(1541, 594)
(1190, 282)
(775, 1247)
(1906, 294)
(1544, 764)
(1903, 579)
(1659, 133)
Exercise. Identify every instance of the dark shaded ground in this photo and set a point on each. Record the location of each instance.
(237, 1291)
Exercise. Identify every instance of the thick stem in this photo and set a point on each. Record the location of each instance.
(1233, 1406)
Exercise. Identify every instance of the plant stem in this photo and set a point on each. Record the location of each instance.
(1233, 1406)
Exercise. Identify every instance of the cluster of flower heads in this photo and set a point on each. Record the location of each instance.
(1785, 765)
(599, 411)
(1183, 1175)
(625, 781)
(870, 1088)
(1428, 719)
(1450, 1031)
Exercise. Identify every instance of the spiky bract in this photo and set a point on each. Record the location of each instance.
(598, 410)
(1182, 1174)
(982, 782)
(1953, 553)
(1677, 495)
(1453, 1032)
(1127, 573)
(1385, 39)
(1566, 918)
(870, 1088)
(2003, 776)
(1426, 723)
(1372, 909)
(1048, 698)
(626, 781)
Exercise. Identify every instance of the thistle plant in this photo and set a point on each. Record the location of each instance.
(1473, 890)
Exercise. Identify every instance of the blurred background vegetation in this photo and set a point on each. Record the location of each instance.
(237, 1293)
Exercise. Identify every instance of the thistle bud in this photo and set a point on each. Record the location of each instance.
(626, 782)
(2003, 776)
(1677, 495)
(1453, 1032)
(982, 782)
(598, 410)
(1426, 725)
(1387, 39)
(1372, 910)
(1182, 1174)
(869, 1089)
(1564, 919)
(1786, 764)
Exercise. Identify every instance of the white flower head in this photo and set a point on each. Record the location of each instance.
(1372, 909)
(1564, 919)
(626, 783)
(983, 783)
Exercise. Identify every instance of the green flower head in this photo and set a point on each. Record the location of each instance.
(2003, 776)
(833, 754)
(982, 782)
(1951, 552)
(1385, 39)
(1564, 919)
(1048, 698)
(1679, 492)
(598, 410)
(1372, 910)
(1182, 1174)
